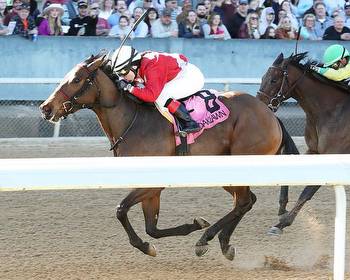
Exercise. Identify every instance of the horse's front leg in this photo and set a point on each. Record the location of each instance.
(283, 201)
(151, 212)
(133, 198)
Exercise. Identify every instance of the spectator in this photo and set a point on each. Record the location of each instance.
(141, 30)
(51, 24)
(120, 9)
(145, 4)
(250, 28)
(83, 24)
(151, 17)
(107, 8)
(186, 7)
(270, 33)
(302, 6)
(201, 11)
(285, 29)
(70, 11)
(190, 28)
(208, 7)
(3, 29)
(322, 20)
(164, 27)
(122, 29)
(172, 6)
(253, 6)
(33, 12)
(13, 12)
(214, 29)
(102, 26)
(347, 14)
(2, 9)
(25, 24)
(228, 9)
(307, 30)
(266, 19)
(238, 18)
(337, 31)
(287, 7)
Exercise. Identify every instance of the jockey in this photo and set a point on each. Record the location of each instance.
(336, 63)
(161, 78)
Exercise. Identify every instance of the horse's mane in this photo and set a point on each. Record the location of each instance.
(298, 60)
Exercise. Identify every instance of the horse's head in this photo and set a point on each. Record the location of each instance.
(276, 84)
(79, 89)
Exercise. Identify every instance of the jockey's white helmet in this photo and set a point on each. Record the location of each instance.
(125, 57)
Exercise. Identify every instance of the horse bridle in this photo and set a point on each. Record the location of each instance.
(71, 101)
(277, 100)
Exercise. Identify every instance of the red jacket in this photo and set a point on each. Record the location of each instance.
(156, 69)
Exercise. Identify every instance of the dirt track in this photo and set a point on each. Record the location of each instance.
(74, 234)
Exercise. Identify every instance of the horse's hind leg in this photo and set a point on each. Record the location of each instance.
(133, 198)
(244, 202)
(288, 218)
(151, 212)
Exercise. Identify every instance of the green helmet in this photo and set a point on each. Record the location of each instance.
(333, 54)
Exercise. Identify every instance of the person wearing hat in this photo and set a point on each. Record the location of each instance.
(51, 24)
(336, 65)
(347, 13)
(164, 27)
(84, 24)
(25, 24)
(266, 19)
(164, 78)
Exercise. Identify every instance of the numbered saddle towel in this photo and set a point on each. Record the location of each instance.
(206, 109)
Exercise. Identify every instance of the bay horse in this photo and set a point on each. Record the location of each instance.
(251, 128)
(327, 108)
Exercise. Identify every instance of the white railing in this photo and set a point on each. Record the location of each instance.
(225, 81)
(145, 172)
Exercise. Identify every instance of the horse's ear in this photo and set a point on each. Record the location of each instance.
(278, 60)
(96, 63)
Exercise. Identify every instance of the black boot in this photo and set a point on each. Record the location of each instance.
(188, 125)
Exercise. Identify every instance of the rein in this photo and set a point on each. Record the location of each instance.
(71, 101)
(277, 100)
(121, 138)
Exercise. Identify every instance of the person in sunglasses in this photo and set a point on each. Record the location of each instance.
(160, 78)
(336, 65)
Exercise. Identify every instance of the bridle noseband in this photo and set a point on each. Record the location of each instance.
(71, 101)
(277, 99)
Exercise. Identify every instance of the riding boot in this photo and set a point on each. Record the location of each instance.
(179, 110)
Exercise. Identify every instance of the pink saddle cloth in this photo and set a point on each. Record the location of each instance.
(206, 109)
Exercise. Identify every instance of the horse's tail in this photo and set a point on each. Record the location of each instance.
(288, 146)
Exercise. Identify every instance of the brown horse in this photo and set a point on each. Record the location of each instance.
(327, 108)
(141, 131)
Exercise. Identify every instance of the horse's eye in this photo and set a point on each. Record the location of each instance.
(273, 81)
(76, 80)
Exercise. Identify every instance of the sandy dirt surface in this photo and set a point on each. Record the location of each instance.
(73, 234)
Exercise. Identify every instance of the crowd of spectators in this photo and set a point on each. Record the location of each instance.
(208, 19)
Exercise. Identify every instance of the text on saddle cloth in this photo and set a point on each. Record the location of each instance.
(206, 109)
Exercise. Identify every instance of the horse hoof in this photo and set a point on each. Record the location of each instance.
(230, 253)
(201, 250)
(151, 250)
(203, 223)
(274, 231)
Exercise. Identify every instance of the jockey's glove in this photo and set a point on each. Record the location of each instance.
(123, 85)
(315, 68)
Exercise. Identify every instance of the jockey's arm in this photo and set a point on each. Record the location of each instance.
(335, 75)
(155, 82)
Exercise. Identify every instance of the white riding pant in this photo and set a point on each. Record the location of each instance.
(187, 82)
